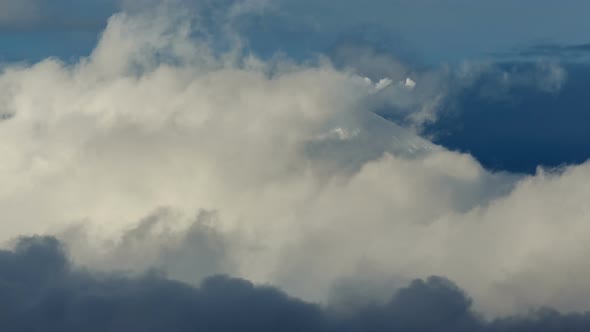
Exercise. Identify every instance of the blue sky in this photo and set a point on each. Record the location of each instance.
(32, 30)
(455, 29)
(452, 30)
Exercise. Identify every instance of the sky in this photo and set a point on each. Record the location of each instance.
(267, 165)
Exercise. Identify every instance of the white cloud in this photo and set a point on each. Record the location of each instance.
(383, 83)
(153, 118)
(409, 83)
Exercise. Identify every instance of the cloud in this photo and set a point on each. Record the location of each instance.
(423, 93)
(40, 290)
(303, 184)
(188, 250)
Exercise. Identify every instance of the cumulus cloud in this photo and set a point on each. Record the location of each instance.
(40, 290)
(188, 250)
(301, 184)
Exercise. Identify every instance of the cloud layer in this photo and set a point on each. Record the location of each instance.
(163, 150)
(40, 290)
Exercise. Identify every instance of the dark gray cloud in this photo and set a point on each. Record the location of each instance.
(41, 291)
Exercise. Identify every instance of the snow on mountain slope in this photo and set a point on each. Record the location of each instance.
(366, 136)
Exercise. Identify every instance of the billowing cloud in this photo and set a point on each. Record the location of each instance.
(40, 290)
(272, 171)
